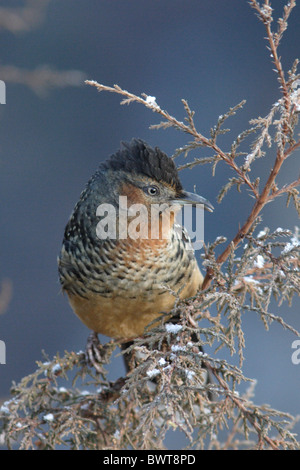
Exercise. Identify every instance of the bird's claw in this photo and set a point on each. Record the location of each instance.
(92, 352)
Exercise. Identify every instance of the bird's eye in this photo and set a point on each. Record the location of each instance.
(151, 190)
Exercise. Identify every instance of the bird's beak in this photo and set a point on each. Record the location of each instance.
(193, 199)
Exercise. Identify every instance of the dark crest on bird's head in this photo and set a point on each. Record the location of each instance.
(139, 158)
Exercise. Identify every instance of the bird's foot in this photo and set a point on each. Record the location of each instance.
(92, 352)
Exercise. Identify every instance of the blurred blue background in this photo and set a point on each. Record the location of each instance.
(213, 54)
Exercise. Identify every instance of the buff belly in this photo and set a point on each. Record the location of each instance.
(120, 317)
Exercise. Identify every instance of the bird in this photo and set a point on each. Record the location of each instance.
(119, 276)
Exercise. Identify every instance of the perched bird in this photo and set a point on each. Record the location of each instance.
(118, 281)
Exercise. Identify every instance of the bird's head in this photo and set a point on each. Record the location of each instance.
(148, 176)
(147, 181)
(136, 180)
